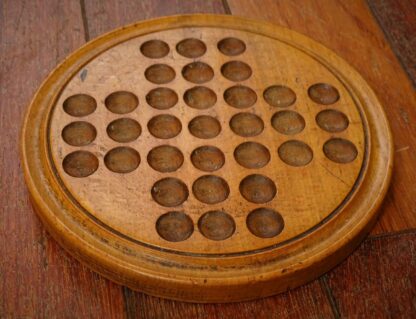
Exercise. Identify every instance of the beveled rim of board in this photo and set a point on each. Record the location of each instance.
(193, 278)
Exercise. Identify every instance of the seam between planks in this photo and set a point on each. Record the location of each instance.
(129, 299)
(404, 232)
(388, 40)
(226, 6)
(84, 20)
(330, 296)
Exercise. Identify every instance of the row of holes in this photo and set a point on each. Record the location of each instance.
(191, 48)
(208, 158)
(165, 126)
(177, 226)
(199, 97)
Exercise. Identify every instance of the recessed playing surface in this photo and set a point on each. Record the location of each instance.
(202, 157)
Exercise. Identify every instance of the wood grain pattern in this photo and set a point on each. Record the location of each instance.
(104, 16)
(142, 233)
(379, 280)
(351, 31)
(309, 301)
(397, 20)
(30, 46)
(33, 269)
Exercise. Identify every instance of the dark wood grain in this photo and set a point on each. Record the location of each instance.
(397, 20)
(103, 16)
(350, 30)
(309, 301)
(38, 279)
(378, 280)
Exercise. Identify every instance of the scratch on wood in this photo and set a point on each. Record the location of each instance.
(405, 148)
(337, 177)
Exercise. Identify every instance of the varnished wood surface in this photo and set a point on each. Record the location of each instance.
(40, 280)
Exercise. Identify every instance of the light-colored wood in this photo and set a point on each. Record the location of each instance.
(350, 29)
(323, 185)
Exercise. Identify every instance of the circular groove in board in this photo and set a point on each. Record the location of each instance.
(207, 164)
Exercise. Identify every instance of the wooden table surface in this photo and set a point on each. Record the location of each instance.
(40, 280)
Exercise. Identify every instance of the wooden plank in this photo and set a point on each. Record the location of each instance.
(38, 279)
(307, 301)
(351, 31)
(397, 20)
(104, 16)
(378, 280)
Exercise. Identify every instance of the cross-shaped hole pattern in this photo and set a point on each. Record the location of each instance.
(209, 189)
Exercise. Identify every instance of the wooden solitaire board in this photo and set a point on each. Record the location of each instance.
(206, 158)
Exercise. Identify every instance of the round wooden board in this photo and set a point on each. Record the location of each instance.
(207, 158)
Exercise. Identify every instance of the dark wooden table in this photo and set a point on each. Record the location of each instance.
(40, 280)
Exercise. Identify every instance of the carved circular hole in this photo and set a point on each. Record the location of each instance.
(231, 46)
(204, 126)
(236, 71)
(162, 98)
(340, 150)
(288, 122)
(295, 153)
(79, 133)
(174, 226)
(240, 96)
(165, 158)
(154, 49)
(265, 223)
(207, 158)
(252, 155)
(197, 72)
(121, 102)
(170, 192)
(332, 121)
(159, 73)
(216, 225)
(200, 97)
(191, 48)
(79, 105)
(80, 164)
(279, 96)
(124, 130)
(164, 126)
(323, 93)
(246, 124)
(210, 189)
(258, 188)
(122, 159)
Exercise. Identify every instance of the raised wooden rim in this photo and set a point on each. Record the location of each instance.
(196, 279)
